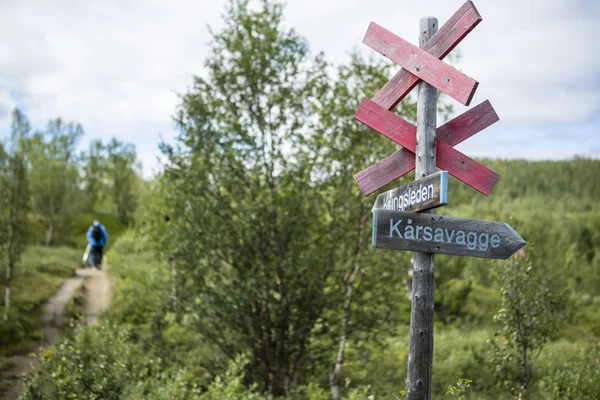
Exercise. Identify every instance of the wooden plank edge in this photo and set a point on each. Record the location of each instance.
(455, 19)
(374, 237)
(443, 188)
(470, 98)
(520, 244)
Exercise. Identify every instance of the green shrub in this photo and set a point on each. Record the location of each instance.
(95, 363)
(576, 378)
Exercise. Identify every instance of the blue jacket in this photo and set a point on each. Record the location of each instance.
(91, 239)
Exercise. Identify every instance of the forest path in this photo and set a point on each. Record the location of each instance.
(96, 286)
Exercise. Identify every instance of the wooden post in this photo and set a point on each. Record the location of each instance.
(420, 353)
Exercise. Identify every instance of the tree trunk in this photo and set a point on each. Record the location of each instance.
(522, 392)
(336, 375)
(7, 293)
(281, 377)
(526, 376)
(49, 234)
(10, 251)
(175, 293)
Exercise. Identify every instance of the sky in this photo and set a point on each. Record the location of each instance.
(118, 66)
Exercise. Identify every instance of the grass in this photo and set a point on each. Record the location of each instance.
(40, 273)
(459, 352)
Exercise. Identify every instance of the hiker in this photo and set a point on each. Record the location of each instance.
(97, 237)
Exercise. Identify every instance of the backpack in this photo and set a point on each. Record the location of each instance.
(97, 234)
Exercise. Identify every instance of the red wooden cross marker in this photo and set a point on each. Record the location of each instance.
(402, 161)
(404, 133)
(421, 64)
(445, 78)
(440, 45)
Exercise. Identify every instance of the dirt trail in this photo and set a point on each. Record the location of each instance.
(53, 310)
(97, 299)
(97, 296)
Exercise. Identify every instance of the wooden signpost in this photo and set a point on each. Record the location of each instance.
(396, 223)
(424, 194)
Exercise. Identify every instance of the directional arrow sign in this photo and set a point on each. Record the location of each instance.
(424, 194)
(429, 233)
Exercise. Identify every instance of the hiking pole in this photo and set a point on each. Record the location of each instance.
(86, 254)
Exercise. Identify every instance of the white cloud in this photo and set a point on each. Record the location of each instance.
(151, 163)
(102, 63)
(116, 66)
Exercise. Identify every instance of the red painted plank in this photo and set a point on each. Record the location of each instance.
(402, 132)
(402, 161)
(422, 64)
(440, 45)
(467, 124)
(385, 171)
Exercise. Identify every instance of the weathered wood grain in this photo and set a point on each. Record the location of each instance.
(421, 64)
(385, 171)
(440, 45)
(420, 349)
(486, 239)
(402, 132)
(402, 161)
(411, 197)
(468, 124)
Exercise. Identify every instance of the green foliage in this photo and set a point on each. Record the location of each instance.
(75, 308)
(58, 184)
(255, 203)
(104, 362)
(120, 168)
(73, 231)
(14, 205)
(530, 314)
(96, 363)
(261, 234)
(245, 223)
(94, 170)
(459, 389)
(231, 385)
(577, 377)
(141, 284)
(54, 174)
(262, 228)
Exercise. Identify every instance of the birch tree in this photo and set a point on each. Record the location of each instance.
(54, 173)
(122, 178)
(14, 203)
